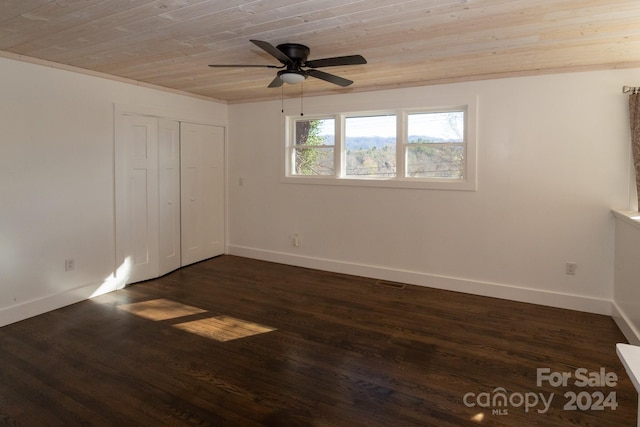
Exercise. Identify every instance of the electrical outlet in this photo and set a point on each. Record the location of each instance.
(295, 240)
(571, 268)
(69, 264)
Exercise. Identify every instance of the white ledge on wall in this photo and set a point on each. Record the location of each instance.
(630, 217)
(626, 293)
(630, 357)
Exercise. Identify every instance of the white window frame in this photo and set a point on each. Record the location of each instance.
(405, 144)
(292, 147)
(467, 183)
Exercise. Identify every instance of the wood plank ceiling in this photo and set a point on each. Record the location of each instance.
(407, 43)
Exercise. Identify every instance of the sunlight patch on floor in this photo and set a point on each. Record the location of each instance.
(161, 309)
(220, 328)
(223, 328)
(478, 418)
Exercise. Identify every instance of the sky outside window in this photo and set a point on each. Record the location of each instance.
(426, 124)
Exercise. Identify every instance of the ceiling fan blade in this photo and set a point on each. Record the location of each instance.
(277, 82)
(272, 50)
(329, 78)
(338, 60)
(243, 66)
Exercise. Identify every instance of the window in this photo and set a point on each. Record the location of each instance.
(370, 145)
(435, 145)
(313, 148)
(416, 148)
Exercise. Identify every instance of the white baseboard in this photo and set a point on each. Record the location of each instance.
(630, 332)
(24, 310)
(42, 305)
(495, 290)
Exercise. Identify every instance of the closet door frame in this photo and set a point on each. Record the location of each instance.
(121, 267)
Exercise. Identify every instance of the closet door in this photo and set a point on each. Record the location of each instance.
(202, 191)
(139, 228)
(169, 195)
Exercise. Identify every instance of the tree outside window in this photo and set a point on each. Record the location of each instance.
(313, 151)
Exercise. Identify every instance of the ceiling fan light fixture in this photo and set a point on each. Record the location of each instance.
(292, 77)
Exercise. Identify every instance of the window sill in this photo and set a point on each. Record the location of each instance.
(458, 185)
(630, 217)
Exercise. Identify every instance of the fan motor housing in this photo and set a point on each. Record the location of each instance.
(297, 52)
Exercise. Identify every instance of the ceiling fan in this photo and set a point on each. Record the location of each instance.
(293, 58)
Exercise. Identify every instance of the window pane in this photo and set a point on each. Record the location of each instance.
(442, 127)
(314, 161)
(370, 144)
(435, 161)
(315, 132)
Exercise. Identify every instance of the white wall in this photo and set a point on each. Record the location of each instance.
(553, 157)
(57, 180)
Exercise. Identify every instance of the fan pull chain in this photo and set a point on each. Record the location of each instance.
(301, 98)
(282, 99)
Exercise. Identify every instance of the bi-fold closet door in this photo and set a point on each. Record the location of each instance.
(171, 195)
(202, 191)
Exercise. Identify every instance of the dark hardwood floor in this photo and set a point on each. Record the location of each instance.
(345, 351)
